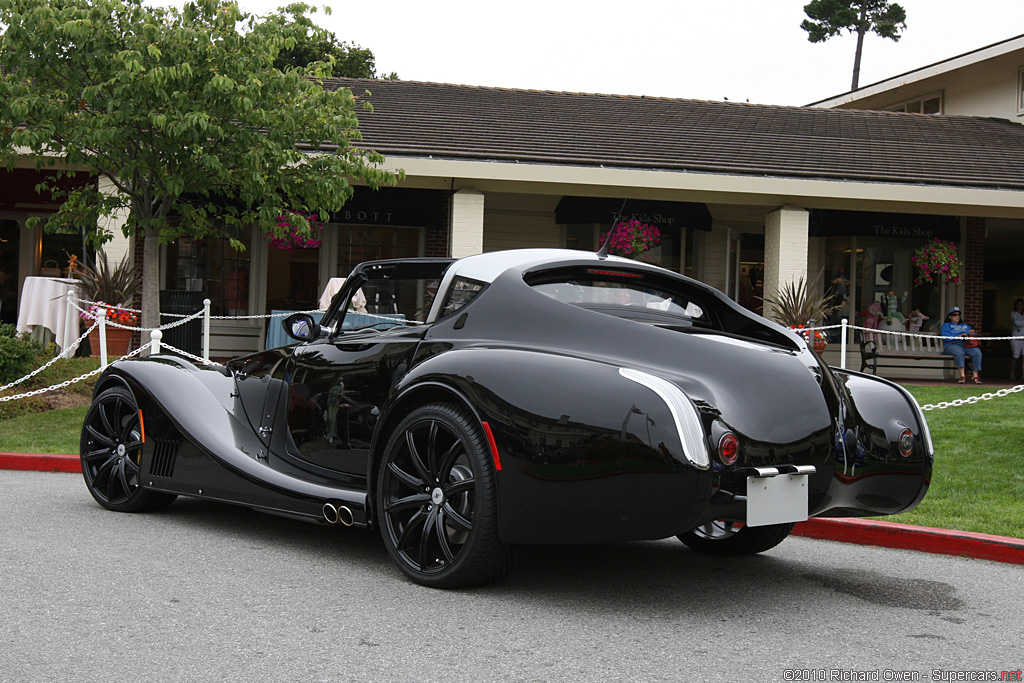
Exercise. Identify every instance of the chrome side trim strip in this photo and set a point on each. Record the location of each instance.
(684, 413)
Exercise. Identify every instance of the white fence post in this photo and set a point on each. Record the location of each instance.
(102, 320)
(69, 320)
(842, 344)
(206, 329)
(155, 336)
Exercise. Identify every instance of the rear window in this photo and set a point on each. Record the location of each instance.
(623, 294)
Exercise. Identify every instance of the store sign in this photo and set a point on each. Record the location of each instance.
(828, 223)
(604, 211)
(395, 206)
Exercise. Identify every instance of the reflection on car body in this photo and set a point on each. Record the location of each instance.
(464, 408)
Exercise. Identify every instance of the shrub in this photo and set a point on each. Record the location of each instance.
(18, 356)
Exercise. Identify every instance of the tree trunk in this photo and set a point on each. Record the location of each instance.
(862, 28)
(150, 281)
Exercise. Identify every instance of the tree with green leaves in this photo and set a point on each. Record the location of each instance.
(349, 60)
(828, 18)
(183, 113)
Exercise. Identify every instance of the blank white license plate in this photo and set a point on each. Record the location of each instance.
(776, 500)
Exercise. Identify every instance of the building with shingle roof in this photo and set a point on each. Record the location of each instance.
(746, 196)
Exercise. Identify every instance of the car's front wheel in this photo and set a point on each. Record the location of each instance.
(111, 453)
(732, 538)
(436, 500)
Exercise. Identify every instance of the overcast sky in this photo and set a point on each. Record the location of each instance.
(697, 49)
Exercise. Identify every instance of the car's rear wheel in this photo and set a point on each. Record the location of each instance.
(111, 451)
(436, 500)
(733, 538)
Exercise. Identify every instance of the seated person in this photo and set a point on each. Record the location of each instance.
(959, 331)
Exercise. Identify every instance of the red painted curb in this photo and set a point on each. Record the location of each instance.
(858, 531)
(40, 462)
(922, 538)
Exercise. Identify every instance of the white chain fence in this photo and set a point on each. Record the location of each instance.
(844, 326)
(69, 382)
(156, 333)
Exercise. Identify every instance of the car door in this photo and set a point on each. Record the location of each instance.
(337, 389)
(338, 382)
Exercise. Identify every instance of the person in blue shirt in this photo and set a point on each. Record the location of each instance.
(955, 327)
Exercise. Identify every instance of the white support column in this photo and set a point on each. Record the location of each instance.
(119, 245)
(785, 249)
(467, 223)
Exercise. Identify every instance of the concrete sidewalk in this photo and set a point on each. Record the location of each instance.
(858, 531)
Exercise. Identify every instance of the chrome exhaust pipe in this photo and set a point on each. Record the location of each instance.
(345, 515)
(331, 515)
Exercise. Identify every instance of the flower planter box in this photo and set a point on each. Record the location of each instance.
(119, 342)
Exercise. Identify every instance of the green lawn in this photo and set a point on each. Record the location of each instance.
(978, 483)
(52, 431)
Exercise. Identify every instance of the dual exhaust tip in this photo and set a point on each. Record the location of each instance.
(333, 514)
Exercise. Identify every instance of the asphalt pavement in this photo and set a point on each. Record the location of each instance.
(202, 591)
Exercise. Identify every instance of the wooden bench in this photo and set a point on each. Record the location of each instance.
(898, 351)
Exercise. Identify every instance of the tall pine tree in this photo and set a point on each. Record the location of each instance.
(828, 18)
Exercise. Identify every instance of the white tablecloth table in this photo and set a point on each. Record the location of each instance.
(43, 303)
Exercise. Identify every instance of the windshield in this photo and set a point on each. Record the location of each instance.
(389, 295)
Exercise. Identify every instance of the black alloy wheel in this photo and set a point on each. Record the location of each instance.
(111, 453)
(732, 538)
(436, 500)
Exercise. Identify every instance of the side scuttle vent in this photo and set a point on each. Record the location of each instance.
(165, 452)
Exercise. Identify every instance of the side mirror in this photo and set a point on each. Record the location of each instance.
(301, 326)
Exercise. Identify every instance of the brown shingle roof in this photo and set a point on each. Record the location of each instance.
(445, 121)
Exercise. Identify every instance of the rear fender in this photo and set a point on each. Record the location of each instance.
(871, 475)
(585, 452)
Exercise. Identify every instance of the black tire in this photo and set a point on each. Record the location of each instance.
(728, 538)
(436, 500)
(110, 449)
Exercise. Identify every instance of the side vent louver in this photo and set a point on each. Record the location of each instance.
(164, 454)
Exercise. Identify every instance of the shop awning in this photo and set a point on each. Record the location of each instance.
(603, 210)
(830, 223)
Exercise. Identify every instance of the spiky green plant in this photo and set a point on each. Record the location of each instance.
(113, 285)
(796, 303)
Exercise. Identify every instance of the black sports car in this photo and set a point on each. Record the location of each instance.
(467, 407)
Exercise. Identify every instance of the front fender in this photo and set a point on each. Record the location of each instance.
(198, 441)
(586, 453)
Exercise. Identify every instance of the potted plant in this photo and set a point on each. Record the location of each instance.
(798, 306)
(108, 292)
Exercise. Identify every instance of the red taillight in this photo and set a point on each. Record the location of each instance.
(728, 448)
(906, 443)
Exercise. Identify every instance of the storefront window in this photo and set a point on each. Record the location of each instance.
(59, 247)
(666, 254)
(293, 279)
(358, 243)
(10, 239)
(212, 266)
(875, 288)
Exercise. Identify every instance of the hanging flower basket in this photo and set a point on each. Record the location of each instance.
(289, 235)
(936, 262)
(632, 238)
